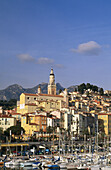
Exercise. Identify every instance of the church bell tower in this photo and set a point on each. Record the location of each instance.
(52, 85)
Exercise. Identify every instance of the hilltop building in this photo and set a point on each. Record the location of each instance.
(52, 85)
(44, 102)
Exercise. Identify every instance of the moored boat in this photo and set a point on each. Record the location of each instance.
(1, 162)
(36, 164)
(52, 166)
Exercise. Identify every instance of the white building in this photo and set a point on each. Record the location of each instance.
(78, 123)
(66, 112)
(49, 121)
(7, 121)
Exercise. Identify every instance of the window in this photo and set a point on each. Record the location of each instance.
(28, 98)
(34, 98)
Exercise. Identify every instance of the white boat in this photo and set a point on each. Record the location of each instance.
(12, 163)
(83, 166)
(26, 163)
(106, 168)
(95, 167)
(71, 166)
(63, 165)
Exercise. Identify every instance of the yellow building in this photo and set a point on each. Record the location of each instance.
(27, 103)
(106, 117)
(33, 124)
(32, 102)
(29, 124)
(47, 102)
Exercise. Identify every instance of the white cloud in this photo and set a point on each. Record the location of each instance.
(25, 57)
(89, 48)
(45, 60)
(59, 66)
(41, 60)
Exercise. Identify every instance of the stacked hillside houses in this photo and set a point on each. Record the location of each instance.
(70, 113)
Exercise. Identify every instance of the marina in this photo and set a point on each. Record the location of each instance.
(81, 161)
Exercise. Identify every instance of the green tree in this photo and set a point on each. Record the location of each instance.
(81, 88)
(88, 86)
(75, 90)
(8, 104)
(60, 91)
(101, 91)
(87, 93)
(15, 130)
(95, 88)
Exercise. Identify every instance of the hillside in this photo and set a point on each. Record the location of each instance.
(14, 91)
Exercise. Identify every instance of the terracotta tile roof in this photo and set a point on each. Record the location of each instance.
(50, 95)
(40, 116)
(5, 116)
(102, 114)
(40, 94)
(23, 115)
(33, 124)
(15, 113)
(31, 104)
(28, 94)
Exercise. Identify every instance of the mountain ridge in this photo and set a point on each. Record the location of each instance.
(14, 91)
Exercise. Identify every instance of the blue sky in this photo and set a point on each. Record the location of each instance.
(72, 36)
